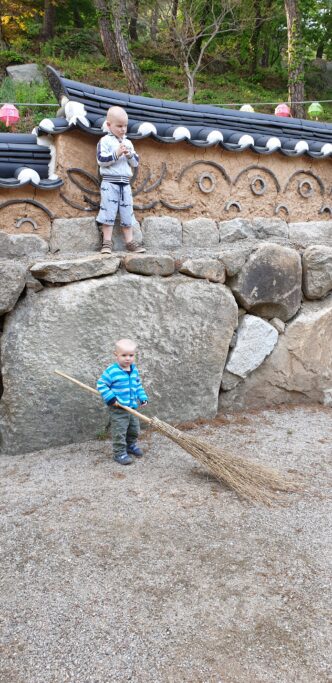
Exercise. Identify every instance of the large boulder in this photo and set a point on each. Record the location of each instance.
(25, 73)
(299, 369)
(12, 283)
(183, 327)
(269, 283)
(317, 271)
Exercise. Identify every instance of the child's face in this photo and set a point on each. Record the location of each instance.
(118, 125)
(125, 357)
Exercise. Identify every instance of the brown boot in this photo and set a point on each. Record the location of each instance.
(135, 246)
(107, 247)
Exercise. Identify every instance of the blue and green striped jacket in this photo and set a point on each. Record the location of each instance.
(116, 384)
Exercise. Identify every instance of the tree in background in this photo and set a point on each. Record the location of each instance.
(263, 12)
(111, 20)
(48, 26)
(133, 19)
(295, 58)
(130, 69)
(106, 33)
(193, 26)
(317, 29)
(3, 42)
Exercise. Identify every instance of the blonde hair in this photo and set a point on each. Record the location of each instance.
(124, 344)
(114, 112)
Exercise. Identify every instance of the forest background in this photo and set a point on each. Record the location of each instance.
(224, 52)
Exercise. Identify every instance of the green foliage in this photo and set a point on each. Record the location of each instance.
(8, 57)
(16, 92)
(148, 65)
(205, 95)
(70, 43)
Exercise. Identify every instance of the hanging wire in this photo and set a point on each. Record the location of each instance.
(34, 104)
(217, 104)
(239, 104)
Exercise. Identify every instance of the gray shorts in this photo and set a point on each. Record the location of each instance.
(115, 198)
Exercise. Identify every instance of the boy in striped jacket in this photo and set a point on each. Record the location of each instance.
(120, 384)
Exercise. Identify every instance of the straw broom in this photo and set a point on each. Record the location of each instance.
(250, 480)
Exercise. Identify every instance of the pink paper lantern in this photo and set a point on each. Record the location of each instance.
(9, 114)
(282, 110)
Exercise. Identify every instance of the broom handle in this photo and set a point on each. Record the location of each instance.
(94, 391)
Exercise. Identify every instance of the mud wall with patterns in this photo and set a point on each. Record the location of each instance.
(176, 180)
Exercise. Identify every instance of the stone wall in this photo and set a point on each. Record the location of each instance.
(227, 315)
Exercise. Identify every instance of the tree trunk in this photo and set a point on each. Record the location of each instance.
(202, 24)
(175, 6)
(255, 38)
(133, 20)
(265, 58)
(154, 24)
(320, 51)
(106, 34)
(190, 83)
(295, 59)
(131, 71)
(78, 21)
(48, 27)
(3, 42)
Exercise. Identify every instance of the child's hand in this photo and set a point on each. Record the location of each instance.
(122, 149)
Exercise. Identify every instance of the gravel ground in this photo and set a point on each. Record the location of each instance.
(156, 573)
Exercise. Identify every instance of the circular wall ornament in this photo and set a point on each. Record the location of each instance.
(305, 188)
(258, 185)
(206, 182)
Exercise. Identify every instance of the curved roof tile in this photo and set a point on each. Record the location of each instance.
(198, 124)
(24, 161)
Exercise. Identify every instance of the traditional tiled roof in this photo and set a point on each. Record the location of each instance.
(198, 124)
(23, 161)
(28, 158)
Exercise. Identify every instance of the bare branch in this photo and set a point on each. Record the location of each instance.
(193, 27)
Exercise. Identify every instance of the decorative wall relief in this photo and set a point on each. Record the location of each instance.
(177, 179)
(24, 215)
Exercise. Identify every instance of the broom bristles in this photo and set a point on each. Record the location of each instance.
(250, 480)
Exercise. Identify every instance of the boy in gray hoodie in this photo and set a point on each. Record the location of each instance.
(116, 157)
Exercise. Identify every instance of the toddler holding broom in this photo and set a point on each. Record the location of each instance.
(116, 157)
(120, 384)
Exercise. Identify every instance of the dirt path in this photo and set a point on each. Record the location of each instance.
(155, 573)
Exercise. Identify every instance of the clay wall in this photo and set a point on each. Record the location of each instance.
(178, 180)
